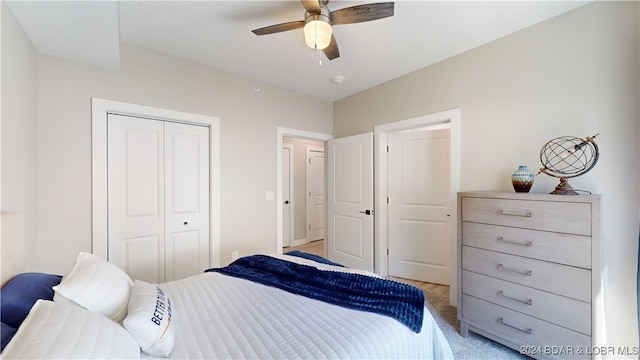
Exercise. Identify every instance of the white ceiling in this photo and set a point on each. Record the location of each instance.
(218, 33)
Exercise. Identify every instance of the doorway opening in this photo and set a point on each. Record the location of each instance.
(304, 144)
(382, 134)
(303, 194)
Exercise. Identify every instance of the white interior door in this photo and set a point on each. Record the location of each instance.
(418, 208)
(287, 191)
(186, 159)
(350, 201)
(315, 193)
(158, 198)
(136, 196)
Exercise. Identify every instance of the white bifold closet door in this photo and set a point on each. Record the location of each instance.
(158, 198)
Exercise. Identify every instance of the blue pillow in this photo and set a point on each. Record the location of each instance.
(18, 296)
(7, 333)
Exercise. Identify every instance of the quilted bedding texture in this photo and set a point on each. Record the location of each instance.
(403, 302)
(219, 316)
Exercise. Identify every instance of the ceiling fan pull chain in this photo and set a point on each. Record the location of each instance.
(315, 45)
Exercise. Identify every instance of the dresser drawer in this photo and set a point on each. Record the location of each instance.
(574, 250)
(566, 217)
(560, 279)
(521, 328)
(533, 302)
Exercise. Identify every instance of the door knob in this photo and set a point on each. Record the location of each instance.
(286, 202)
(186, 223)
(368, 212)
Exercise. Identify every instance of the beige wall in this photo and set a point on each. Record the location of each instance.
(19, 123)
(576, 74)
(51, 120)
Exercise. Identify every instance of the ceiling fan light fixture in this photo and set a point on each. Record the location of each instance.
(318, 20)
(317, 31)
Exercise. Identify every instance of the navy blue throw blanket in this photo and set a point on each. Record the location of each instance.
(313, 257)
(402, 302)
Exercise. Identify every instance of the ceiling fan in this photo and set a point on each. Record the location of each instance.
(319, 19)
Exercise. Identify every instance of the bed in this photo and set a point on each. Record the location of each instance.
(295, 305)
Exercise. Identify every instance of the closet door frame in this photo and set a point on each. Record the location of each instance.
(100, 108)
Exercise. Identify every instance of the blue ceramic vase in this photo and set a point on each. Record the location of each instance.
(522, 179)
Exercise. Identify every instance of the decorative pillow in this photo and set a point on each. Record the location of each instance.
(149, 319)
(20, 293)
(97, 285)
(7, 332)
(56, 330)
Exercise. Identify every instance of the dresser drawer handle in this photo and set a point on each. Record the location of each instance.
(527, 302)
(503, 240)
(526, 331)
(525, 273)
(506, 213)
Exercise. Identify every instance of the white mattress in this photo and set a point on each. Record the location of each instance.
(218, 316)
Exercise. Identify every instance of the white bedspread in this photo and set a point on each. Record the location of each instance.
(215, 316)
(222, 317)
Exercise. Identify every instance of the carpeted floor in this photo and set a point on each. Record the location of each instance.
(473, 347)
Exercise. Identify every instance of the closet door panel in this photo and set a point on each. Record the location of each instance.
(186, 200)
(142, 254)
(184, 254)
(136, 196)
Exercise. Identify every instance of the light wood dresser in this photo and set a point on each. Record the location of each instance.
(529, 272)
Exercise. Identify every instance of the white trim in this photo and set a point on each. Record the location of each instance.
(291, 148)
(280, 133)
(381, 133)
(99, 111)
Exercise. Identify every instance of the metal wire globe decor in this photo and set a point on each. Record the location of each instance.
(566, 157)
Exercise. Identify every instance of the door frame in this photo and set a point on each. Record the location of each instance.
(291, 148)
(381, 216)
(280, 133)
(100, 108)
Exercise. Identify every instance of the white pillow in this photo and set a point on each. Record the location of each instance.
(149, 319)
(55, 330)
(97, 285)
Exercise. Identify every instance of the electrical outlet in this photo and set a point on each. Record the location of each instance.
(234, 255)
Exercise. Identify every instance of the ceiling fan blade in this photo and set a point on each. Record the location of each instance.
(332, 51)
(361, 13)
(279, 28)
(312, 6)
